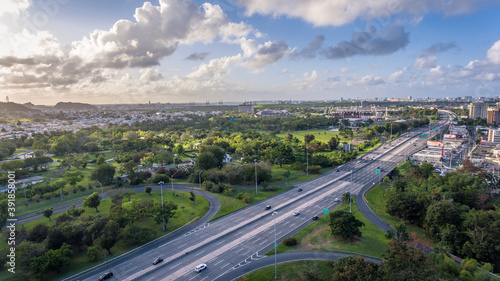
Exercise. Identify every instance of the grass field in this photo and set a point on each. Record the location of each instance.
(317, 237)
(292, 271)
(321, 135)
(186, 212)
(230, 204)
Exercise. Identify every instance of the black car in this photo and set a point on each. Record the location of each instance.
(338, 170)
(314, 218)
(106, 275)
(268, 207)
(300, 189)
(157, 261)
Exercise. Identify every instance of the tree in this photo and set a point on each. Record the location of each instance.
(110, 236)
(93, 253)
(483, 229)
(160, 177)
(333, 143)
(179, 149)
(346, 197)
(133, 234)
(163, 215)
(128, 194)
(210, 157)
(104, 174)
(308, 138)
(53, 260)
(345, 225)
(192, 197)
(401, 231)
(73, 177)
(38, 233)
(47, 213)
(92, 201)
(148, 189)
(439, 214)
(55, 238)
(288, 137)
(355, 269)
(402, 262)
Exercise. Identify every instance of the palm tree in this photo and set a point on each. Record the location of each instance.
(346, 197)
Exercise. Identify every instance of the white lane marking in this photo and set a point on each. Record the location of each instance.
(218, 262)
(199, 253)
(133, 268)
(263, 242)
(220, 242)
(175, 265)
(225, 265)
(193, 277)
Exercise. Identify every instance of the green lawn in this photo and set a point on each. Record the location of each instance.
(295, 176)
(321, 135)
(376, 200)
(230, 204)
(185, 213)
(291, 271)
(317, 237)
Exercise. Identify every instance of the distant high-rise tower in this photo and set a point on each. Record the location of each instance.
(478, 109)
(7, 98)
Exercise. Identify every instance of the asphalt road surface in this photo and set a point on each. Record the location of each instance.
(237, 239)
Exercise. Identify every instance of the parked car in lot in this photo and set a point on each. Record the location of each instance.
(200, 267)
(296, 213)
(157, 261)
(268, 207)
(106, 275)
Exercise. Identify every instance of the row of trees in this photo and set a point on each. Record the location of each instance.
(50, 248)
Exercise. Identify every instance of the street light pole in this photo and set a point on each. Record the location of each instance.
(275, 214)
(161, 191)
(350, 194)
(255, 162)
(307, 157)
(173, 180)
(199, 178)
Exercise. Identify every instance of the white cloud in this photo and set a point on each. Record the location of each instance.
(340, 12)
(307, 81)
(366, 80)
(216, 68)
(150, 74)
(493, 53)
(269, 53)
(346, 69)
(396, 75)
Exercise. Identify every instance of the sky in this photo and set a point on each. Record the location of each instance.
(175, 51)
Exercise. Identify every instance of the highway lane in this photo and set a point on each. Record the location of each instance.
(226, 243)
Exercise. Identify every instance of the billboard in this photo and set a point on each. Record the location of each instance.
(434, 143)
(447, 136)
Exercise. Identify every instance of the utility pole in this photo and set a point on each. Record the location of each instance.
(275, 214)
(161, 190)
(307, 157)
(255, 161)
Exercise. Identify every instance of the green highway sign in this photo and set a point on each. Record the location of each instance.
(377, 171)
(275, 244)
(326, 211)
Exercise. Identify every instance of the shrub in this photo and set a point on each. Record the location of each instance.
(246, 198)
(240, 195)
(207, 185)
(229, 190)
(389, 234)
(81, 187)
(290, 242)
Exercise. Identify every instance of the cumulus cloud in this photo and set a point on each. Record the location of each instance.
(366, 80)
(493, 53)
(307, 81)
(341, 12)
(155, 34)
(396, 75)
(150, 74)
(216, 68)
(427, 59)
(391, 39)
(197, 56)
(268, 53)
(311, 50)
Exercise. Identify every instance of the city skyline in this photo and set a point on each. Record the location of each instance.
(174, 51)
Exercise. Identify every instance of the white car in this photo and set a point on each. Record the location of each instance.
(296, 213)
(337, 200)
(200, 267)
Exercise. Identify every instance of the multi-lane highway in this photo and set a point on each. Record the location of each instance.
(242, 237)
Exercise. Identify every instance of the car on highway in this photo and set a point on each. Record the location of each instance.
(268, 207)
(296, 213)
(106, 275)
(338, 170)
(314, 218)
(337, 200)
(300, 189)
(157, 261)
(201, 267)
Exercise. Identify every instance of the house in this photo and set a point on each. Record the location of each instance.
(227, 158)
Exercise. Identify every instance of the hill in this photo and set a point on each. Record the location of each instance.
(74, 106)
(14, 107)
